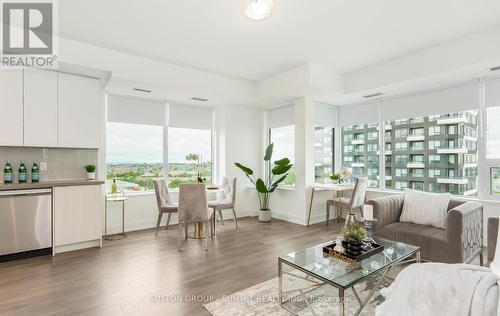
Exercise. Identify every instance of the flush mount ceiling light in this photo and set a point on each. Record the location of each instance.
(257, 9)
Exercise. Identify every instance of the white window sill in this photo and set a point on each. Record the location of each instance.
(286, 188)
(457, 197)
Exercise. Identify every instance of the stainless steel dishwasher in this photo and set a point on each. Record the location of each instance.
(25, 223)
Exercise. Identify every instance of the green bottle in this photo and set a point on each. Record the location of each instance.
(7, 173)
(114, 188)
(23, 175)
(35, 172)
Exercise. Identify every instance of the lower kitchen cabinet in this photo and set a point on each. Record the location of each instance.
(78, 214)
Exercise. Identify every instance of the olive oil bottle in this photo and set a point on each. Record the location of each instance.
(23, 175)
(35, 172)
(7, 173)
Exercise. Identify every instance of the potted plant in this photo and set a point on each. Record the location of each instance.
(353, 237)
(276, 173)
(90, 172)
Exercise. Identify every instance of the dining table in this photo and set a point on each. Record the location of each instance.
(337, 190)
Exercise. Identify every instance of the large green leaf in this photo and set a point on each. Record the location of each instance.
(261, 186)
(273, 187)
(281, 169)
(282, 162)
(246, 170)
(269, 152)
(275, 183)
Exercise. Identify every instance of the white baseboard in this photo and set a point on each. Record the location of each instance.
(289, 217)
(77, 246)
(151, 223)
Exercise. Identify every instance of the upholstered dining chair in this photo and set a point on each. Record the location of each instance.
(352, 204)
(193, 208)
(227, 199)
(164, 202)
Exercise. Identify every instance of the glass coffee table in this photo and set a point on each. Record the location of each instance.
(327, 270)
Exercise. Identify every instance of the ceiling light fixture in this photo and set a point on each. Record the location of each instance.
(257, 9)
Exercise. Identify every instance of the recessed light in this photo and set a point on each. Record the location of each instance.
(199, 99)
(142, 90)
(372, 95)
(257, 9)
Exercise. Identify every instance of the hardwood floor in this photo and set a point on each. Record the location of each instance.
(146, 275)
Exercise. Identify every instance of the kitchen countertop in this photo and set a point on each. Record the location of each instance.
(48, 184)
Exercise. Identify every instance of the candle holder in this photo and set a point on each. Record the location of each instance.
(369, 228)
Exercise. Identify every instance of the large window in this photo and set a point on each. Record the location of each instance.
(449, 157)
(493, 133)
(283, 139)
(323, 154)
(360, 151)
(189, 156)
(137, 149)
(134, 155)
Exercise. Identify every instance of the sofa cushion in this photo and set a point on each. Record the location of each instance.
(425, 208)
(431, 240)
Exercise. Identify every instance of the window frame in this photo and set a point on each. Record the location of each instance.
(165, 146)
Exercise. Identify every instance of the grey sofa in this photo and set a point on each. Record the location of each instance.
(460, 242)
(492, 237)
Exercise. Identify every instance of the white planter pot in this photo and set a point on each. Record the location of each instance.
(90, 175)
(264, 215)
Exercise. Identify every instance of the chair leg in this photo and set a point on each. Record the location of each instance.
(327, 214)
(221, 218)
(481, 257)
(158, 222)
(179, 237)
(186, 224)
(168, 220)
(206, 235)
(235, 220)
(212, 224)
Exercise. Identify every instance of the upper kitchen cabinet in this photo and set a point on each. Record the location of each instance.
(80, 111)
(11, 107)
(40, 108)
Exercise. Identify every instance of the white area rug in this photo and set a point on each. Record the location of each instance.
(262, 299)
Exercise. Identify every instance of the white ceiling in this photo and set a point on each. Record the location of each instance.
(212, 35)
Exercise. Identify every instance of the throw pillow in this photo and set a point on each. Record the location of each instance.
(425, 208)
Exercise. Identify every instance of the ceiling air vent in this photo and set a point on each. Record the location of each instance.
(142, 90)
(199, 99)
(495, 68)
(372, 95)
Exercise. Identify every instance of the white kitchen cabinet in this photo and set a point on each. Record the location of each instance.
(78, 215)
(80, 112)
(40, 108)
(11, 107)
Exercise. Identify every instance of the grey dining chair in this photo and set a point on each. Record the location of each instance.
(226, 200)
(193, 208)
(164, 202)
(352, 204)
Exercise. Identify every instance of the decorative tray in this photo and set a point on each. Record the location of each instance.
(342, 255)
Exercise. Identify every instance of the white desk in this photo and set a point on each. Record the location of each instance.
(335, 188)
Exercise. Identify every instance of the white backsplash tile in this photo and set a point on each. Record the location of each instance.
(62, 163)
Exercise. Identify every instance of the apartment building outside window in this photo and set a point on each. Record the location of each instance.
(364, 158)
(323, 153)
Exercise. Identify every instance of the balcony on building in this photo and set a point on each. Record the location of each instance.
(416, 165)
(452, 151)
(454, 118)
(453, 180)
